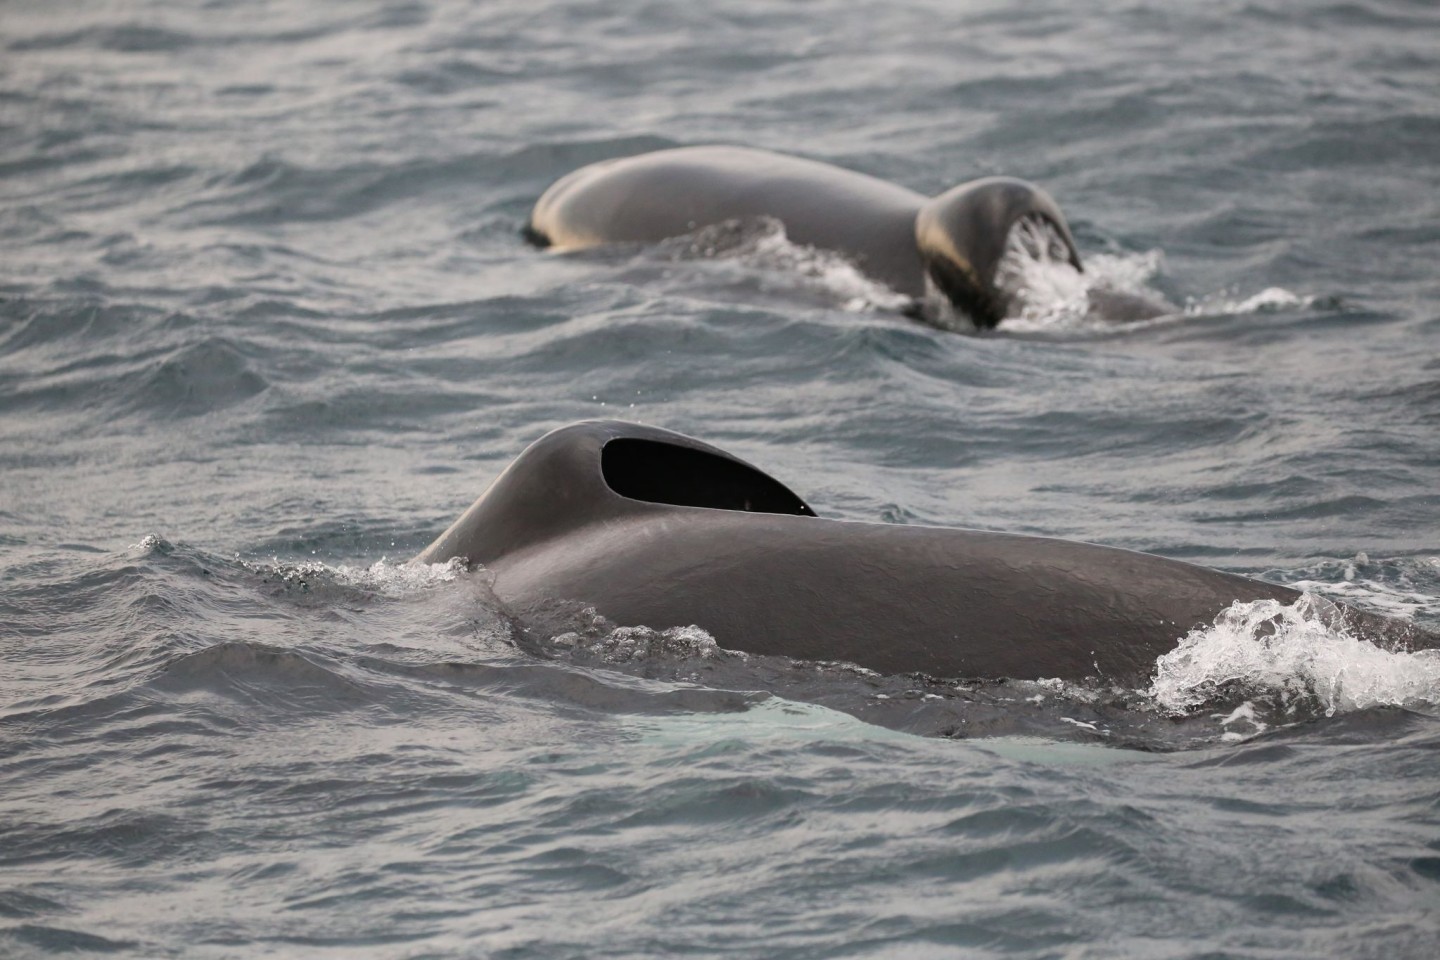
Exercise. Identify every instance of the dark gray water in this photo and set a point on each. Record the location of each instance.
(267, 325)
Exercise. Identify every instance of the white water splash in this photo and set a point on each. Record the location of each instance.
(1291, 652)
(1402, 588)
(825, 270)
(401, 578)
(1038, 691)
(152, 544)
(1242, 723)
(1269, 300)
(1047, 294)
(382, 577)
(630, 644)
(1384, 598)
(760, 244)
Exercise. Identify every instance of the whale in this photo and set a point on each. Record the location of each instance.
(654, 528)
(938, 251)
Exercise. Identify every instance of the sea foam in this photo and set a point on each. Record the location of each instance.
(1291, 655)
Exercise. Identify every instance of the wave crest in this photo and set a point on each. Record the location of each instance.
(1047, 294)
(632, 644)
(760, 244)
(383, 577)
(1297, 656)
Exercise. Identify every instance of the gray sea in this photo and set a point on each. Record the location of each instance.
(268, 324)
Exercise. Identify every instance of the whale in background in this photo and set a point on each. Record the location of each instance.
(947, 248)
(654, 528)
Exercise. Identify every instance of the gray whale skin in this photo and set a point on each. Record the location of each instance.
(654, 528)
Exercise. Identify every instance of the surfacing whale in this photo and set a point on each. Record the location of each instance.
(654, 528)
(952, 243)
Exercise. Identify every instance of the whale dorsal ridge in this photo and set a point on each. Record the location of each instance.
(658, 472)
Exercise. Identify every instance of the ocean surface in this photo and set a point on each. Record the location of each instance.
(268, 324)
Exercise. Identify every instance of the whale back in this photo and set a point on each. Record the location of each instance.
(670, 193)
(962, 235)
(648, 527)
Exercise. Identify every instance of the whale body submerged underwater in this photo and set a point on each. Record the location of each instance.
(654, 528)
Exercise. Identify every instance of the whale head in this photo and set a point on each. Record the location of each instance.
(963, 233)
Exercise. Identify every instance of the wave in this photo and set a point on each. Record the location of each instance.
(1269, 300)
(210, 642)
(1404, 588)
(1047, 295)
(383, 577)
(1296, 659)
(629, 644)
(760, 245)
(1261, 665)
